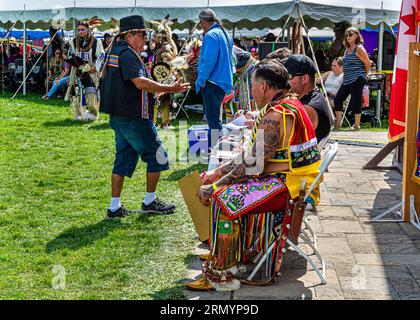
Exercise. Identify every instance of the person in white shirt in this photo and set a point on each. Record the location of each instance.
(333, 79)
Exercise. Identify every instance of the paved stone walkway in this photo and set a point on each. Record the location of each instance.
(364, 260)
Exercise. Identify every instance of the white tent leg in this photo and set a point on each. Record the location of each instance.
(44, 52)
(300, 16)
(379, 68)
(24, 58)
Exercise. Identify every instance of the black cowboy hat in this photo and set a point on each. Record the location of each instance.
(132, 23)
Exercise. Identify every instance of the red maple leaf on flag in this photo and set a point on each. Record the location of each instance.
(410, 22)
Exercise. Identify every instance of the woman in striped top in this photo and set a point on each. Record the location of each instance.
(356, 68)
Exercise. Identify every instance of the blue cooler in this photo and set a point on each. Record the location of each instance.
(198, 140)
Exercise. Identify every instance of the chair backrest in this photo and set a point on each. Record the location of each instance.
(325, 162)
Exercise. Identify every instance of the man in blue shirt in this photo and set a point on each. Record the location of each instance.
(215, 67)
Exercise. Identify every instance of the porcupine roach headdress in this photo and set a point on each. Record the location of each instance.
(164, 28)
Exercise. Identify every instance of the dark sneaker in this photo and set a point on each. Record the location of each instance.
(158, 206)
(120, 213)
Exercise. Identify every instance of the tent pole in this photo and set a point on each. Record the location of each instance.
(74, 27)
(24, 58)
(283, 29)
(314, 60)
(7, 36)
(379, 68)
(40, 57)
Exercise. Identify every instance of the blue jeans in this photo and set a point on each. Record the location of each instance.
(55, 86)
(136, 138)
(212, 99)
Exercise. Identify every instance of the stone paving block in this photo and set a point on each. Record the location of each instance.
(281, 290)
(362, 295)
(405, 285)
(329, 178)
(325, 201)
(336, 212)
(381, 185)
(336, 190)
(417, 244)
(359, 243)
(333, 259)
(331, 235)
(329, 292)
(415, 271)
(367, 288)
(330, 275)
(339, 200)
(338, 171)
(409, 296)
(380, 227)
(330, 246)
(293, 261)
(399, 248)
(391, 238)
(411, 231)
(388, 259)
(313, 221)
(331, 226)
(373, 271)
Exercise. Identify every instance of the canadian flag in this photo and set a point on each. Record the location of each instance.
(406, 34)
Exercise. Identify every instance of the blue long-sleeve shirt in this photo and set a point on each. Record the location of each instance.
(215, 62)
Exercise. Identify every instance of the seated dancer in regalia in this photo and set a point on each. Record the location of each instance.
(238, 192)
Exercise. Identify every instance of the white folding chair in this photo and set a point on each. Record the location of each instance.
(327, 159)
(345, 107)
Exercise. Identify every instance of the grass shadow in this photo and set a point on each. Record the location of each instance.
(101, 126)
(64, 123)
(174, 293)
(178, 174)
(76, 238)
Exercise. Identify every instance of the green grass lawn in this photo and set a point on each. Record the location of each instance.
(54, 192)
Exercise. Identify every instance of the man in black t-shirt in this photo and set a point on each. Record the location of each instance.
(302, 72)
(124, 96)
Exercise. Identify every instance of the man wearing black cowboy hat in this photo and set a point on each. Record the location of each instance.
(124, 97)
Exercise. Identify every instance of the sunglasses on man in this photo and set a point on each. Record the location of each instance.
(142, 34)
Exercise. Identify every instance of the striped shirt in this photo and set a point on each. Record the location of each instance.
(353, 67)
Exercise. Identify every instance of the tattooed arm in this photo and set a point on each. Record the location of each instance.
(234, 172)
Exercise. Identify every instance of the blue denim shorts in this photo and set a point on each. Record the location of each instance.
(136, 138)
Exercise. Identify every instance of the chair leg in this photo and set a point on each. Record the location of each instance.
(311, 262)
(315, 242)
(308, 241)
(258, 266)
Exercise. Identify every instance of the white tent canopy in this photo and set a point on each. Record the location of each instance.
(234, 13)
